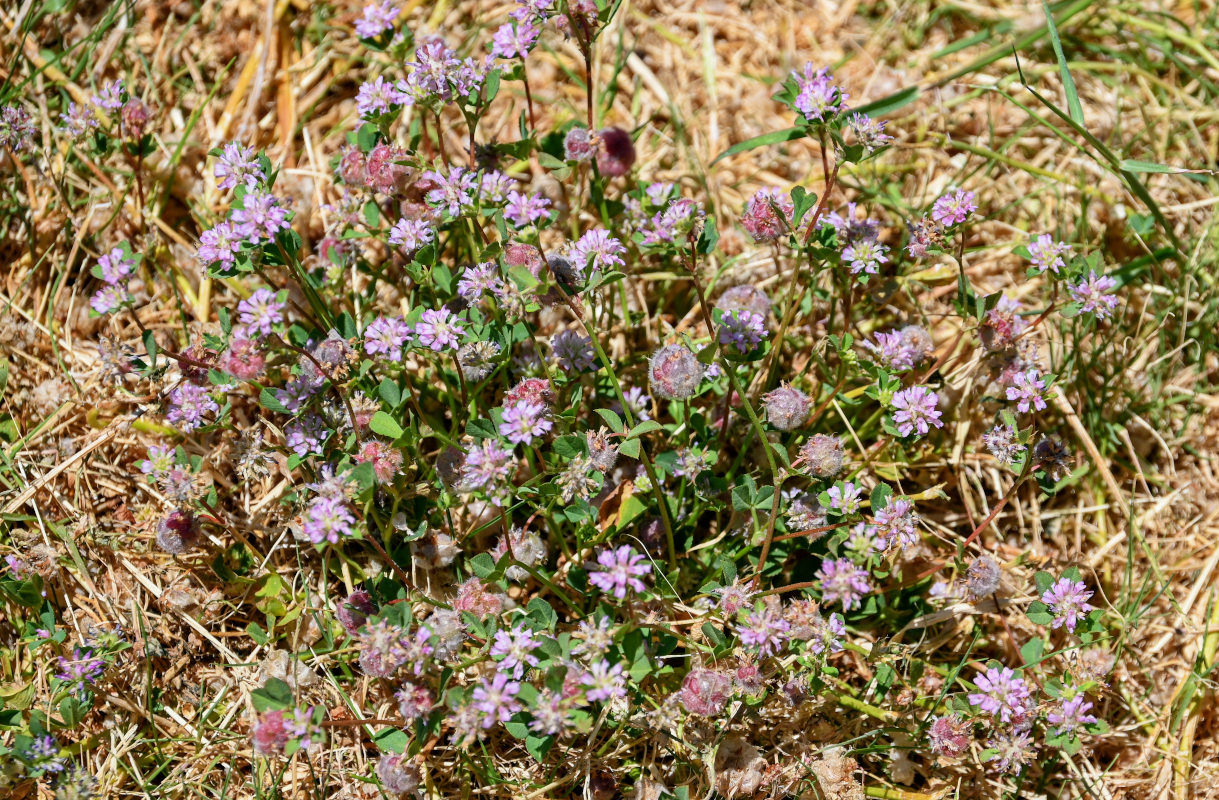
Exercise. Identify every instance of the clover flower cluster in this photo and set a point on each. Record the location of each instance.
(562, 490)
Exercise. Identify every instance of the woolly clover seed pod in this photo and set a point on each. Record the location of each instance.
(616, 154)
(532, 390)
(787, 408)
(745, 297)
(398, 775)
(577, 145)
(601, 451)
(823, 455)
(705, 692)
(918, 342)
(178, 532)
(982, 578)
(674, 372)
(355, 611)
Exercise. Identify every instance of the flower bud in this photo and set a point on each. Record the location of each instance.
(616, 155)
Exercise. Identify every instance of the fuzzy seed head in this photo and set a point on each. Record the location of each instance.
(787, 408)
(823, 455)
(674, 372)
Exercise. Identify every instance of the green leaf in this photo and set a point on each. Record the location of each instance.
(612, 420)
(542, 612)
(1039, 613)
(647, 426)
(629, 448)
(774, 137)
(150, 344)
(889, 103)
(274, 695)
(390, 392)
(1032, 651)
(391, 740)
(483, 565)
(268, 400)
(1043, 581)
(715, 636)
(385, 425)
(1074, 108)
(538, 746)
(880, 496)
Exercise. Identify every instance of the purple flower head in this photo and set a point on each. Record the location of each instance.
(819, 98)
(261, 312)
(479, 280)
(455, 190)
(236, 165)
(78, 120)
(764, 629)
(1047, 254)
(827, 634)
(1068, 602)
(523, 209)
(524, 421)
(496, 699)
(515, 650)
(955, 208)
(219, 245)
(109, 299)
(83, 669)
(868, 132)
(411, 235)
(1001, 442)
(378, 96)
(597, 249)
(892, 351)
(387, 336)
(160, 461)
(116, 266)
(439, 329)
(865, 257)
(301, 728)
(915, 410)
(1095, 294)
(849, 228)
(1013, 749)
(1027, 390)
(306, 435)
(843, 498)
(742, 329)
(602, 682)
(573, 351)
(1070, 715)
(488, 465)
(1000, 693)
(376, 19)
(842, 581)
(897, 523)
(514, 40)
(261, 217)
(618, 571)
(110, 96)
(327, 519)
(190, 406)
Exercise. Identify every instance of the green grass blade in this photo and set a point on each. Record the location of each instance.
(1074, 107)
